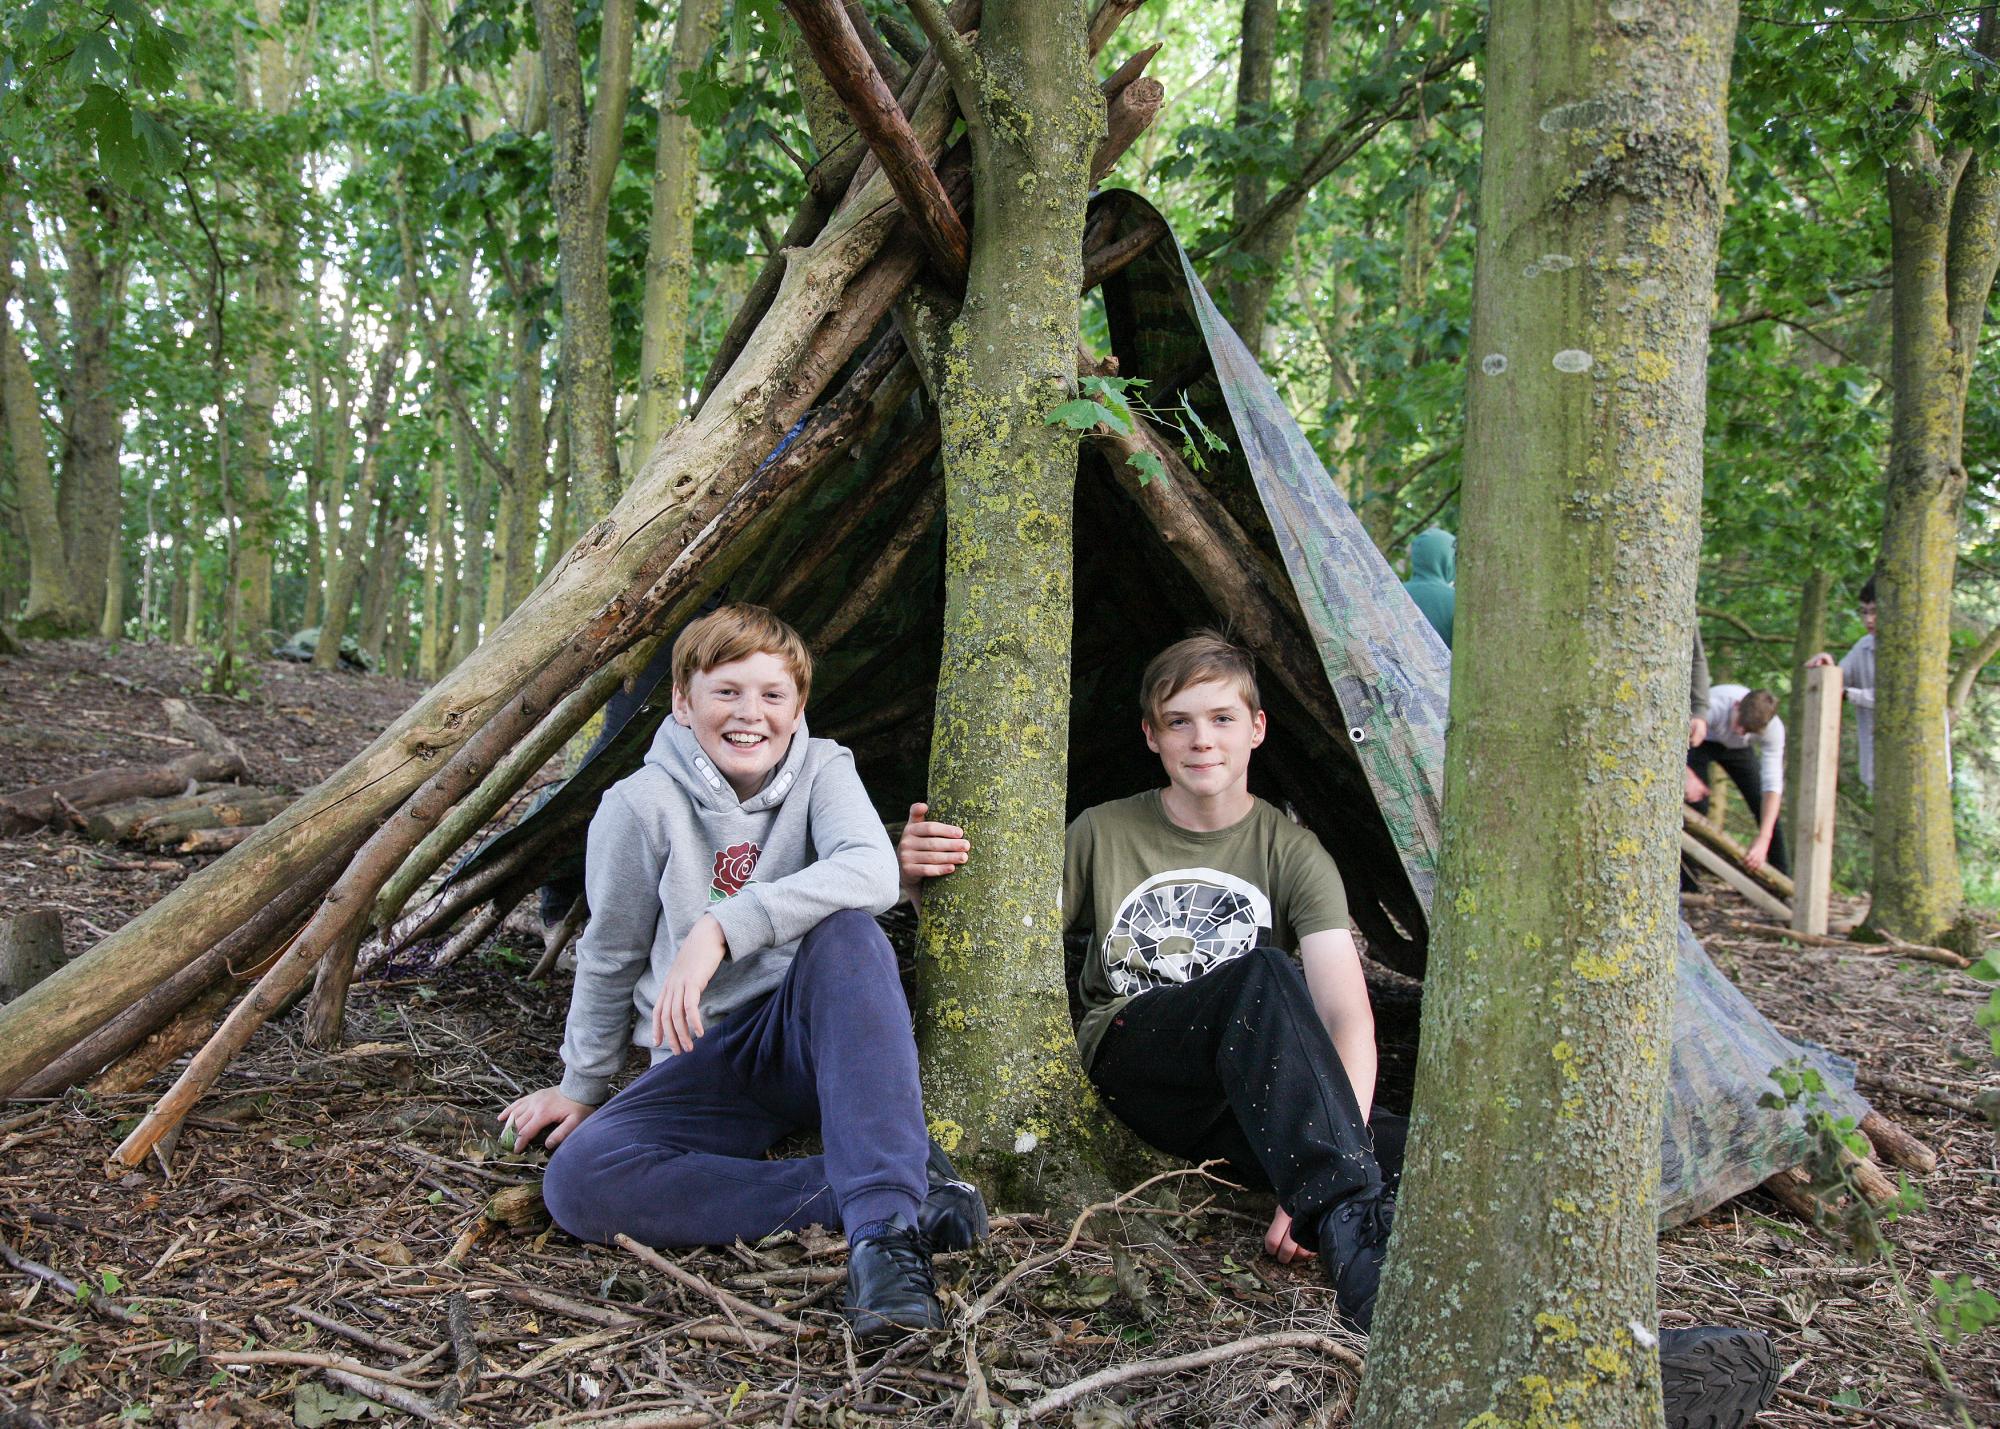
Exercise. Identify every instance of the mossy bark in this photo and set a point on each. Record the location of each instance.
(48, 608)
(1520, 1282)
(1944, 226)
(1000, 1075)
(670, 239)
(584, 140)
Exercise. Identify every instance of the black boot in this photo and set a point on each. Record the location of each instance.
(1353, 1238)
(1716, 1377)
(890, 1289)
(954, 1213)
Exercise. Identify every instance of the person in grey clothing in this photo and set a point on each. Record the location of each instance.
(1857, 677)
(731, 882)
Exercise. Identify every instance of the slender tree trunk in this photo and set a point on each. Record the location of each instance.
(474, 562)
(436, 520)
(585, 142)
(354, 546)
(1520, 1281)
(999, 1074)
(385, 577)
(113, 623)
(670, 241)
(561, 533)
(1944, 231)
(48, 610)
(1249, 291)
(88, 500)
(527, 438)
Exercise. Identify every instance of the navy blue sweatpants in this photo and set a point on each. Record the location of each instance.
(677, 1158)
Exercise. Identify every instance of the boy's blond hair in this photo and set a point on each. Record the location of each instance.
(735, 632)
(1204, 655)
(1755, 709)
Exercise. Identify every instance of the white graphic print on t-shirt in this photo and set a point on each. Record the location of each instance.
(1177, 925)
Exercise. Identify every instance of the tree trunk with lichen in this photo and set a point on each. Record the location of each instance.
(999, 1065)
(663, 314)
(1944, 227)
(1551, 961)
(584, 142)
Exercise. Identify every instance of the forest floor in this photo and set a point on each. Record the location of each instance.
(308, 1255)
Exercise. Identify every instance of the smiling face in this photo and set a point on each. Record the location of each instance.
(1204, 736)
(742, 714)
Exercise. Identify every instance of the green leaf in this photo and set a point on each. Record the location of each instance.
(1080, 414)
(104, 123)
(1148, 465)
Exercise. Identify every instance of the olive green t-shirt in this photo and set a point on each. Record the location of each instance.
(1162, 904)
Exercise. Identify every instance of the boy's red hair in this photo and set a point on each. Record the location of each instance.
(736, 632)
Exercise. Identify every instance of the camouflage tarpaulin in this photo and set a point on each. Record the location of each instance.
(1392, 676)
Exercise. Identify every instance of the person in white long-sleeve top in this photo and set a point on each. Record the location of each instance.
(1746, 737)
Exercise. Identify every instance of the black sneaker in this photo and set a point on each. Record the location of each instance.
(890, 1289)
(954, 1213)
(1714, 1377)
(1353, 1237)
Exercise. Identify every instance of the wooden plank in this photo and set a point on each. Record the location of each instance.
(1735, 877)
(1819, 773)
(1775, 883)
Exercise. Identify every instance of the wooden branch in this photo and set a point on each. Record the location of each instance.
(97, 1304)
(1195, 1359)
(1753, 892)
(44, 804)
(1919, 952)
(160, 1050)
(1964, 677)
(560, 937)
(1750, 632)
(916, 523)
(1131, 69)
(190, 723)
(1120, 254)
(1779, 885)
(862, 91)
(1127, 116)
(731, 1304)
(1893, 1142)
(1792, 1189)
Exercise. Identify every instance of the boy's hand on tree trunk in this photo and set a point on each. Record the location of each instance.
(677, 1015)
(927, 850)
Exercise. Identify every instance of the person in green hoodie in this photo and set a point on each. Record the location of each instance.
(1433, 567)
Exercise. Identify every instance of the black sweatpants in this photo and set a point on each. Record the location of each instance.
(1237, 1065)
(1746, 772)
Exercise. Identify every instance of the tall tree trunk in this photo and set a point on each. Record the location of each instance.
(1249, 292)
(88, 500)
(1944, 238)
(527, 441)
(385, 570)
(663, 315)
(436, 520)
(474, 564)
(585, 144)
(272, 297)
(1551, 960)
(354, 545)
(112, 624)
(49, 610)
(562, 533)
(999, 1075)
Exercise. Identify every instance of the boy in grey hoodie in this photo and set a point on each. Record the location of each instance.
(730, 882)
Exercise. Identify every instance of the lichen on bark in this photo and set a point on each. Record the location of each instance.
(1520, 1284)
(999, 1062)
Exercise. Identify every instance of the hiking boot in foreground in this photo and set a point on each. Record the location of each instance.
(1353, 1237)
(954, 1213)
(1714, 1377)
(890, 1288)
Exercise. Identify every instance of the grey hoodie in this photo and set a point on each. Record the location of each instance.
(672, 842)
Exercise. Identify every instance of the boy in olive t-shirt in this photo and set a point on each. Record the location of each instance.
(1198, 1028)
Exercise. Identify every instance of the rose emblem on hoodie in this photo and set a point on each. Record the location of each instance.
(733, 867)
